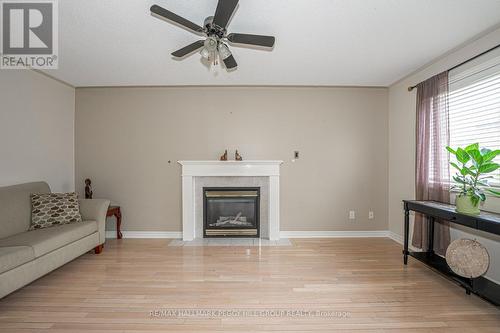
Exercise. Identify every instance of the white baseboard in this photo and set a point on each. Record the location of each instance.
(333, 234)
(283, 234)
(395, 237)
(145, 234)
(491, 279)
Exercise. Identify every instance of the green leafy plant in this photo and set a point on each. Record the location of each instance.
(474, 165)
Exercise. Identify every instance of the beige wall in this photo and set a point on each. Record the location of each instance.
(36, 130)
(125, 138)
(402, 121)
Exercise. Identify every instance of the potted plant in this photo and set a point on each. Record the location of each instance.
(474, 165)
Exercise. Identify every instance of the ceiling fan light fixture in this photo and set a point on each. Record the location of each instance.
(211, 44)
(205, 53)
(224, 51)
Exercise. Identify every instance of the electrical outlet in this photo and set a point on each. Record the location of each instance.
(352, 215)
(371, 216)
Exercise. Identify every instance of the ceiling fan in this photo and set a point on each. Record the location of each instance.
(214, 28)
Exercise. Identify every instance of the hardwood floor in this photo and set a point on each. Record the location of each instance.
(364, 280)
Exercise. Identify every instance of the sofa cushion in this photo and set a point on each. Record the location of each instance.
(49, 209)
(46, 240)
(13, 256)
(15, 207)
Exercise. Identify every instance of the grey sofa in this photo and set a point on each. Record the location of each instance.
(27, 255)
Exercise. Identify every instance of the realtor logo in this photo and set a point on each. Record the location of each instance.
(29, 34)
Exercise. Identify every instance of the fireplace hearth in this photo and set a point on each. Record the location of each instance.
(231, 212)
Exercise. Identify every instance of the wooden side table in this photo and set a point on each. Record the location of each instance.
(116, 212)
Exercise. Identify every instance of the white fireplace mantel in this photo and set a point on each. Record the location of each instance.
(258, 168)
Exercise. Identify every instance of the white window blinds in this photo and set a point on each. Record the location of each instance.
(474, 105)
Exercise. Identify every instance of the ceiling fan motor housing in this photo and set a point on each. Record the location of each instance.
(208, 21)
(213, 30)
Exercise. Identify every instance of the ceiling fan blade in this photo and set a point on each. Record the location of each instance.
(267, 41)
(189, 49)
(160, 11)
(230, 62)
(225, 9)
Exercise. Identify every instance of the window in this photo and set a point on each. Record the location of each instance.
(474, 105)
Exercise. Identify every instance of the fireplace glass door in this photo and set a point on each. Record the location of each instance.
(231, 212)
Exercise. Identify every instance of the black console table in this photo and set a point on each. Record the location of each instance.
(487, 222)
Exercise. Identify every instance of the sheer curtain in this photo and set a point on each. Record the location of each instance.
(432, 179)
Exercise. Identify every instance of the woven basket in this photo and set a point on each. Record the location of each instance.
(467, 258)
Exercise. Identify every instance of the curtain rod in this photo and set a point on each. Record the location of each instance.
(463, 62)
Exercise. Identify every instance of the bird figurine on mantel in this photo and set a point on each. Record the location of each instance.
(237, 156)
(224, 156)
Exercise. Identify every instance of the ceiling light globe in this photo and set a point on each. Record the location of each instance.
(224, 51)
(211, 44)
(205, 53)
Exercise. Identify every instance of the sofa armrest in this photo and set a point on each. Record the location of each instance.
(95, 210)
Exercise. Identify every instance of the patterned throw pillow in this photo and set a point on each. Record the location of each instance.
(50, 209)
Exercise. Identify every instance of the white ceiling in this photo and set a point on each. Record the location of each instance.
(318, 42)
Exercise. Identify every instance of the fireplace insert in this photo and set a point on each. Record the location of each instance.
(231, 211)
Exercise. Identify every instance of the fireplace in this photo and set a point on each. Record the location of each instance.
(231, 212)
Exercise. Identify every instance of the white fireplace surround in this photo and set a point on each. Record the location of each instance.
(260, 168)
